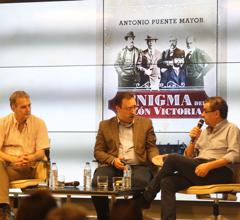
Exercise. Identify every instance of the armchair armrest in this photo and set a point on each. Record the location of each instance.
(237, 173)
(42, 169)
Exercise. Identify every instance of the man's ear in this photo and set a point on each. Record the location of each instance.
(12, 107)
(218, 114)
(117, 108)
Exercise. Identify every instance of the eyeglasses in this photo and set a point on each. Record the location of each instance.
(130, 108)
(207, 111)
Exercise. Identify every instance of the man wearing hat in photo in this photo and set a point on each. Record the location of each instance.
(125, 65)
(147, 64)
(175, 77)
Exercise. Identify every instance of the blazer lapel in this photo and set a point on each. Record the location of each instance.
(136, 128)
(115, 131)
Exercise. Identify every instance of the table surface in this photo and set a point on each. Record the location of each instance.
(83, 191)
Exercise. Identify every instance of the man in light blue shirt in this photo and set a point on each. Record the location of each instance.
(217, 148)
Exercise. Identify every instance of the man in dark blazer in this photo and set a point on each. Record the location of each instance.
(175, 77)
(166, 61)
(125, 137)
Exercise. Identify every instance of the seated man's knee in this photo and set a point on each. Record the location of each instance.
(94, 181)
(140, 182)
(103, 171)
(97, 173)
(172, 158)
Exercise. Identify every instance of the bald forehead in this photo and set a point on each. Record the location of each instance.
(22, 101)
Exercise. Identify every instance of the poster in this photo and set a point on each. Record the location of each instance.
(165, 53)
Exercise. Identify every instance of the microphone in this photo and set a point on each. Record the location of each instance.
(73, 183)
(124, 162)
(199, 125)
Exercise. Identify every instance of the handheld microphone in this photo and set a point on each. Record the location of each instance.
(73, 183)
(199, 125)
(124, 162)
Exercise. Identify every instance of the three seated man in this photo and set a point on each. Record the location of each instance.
(126, 138)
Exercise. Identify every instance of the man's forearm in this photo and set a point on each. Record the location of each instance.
(7, 157)
(103, 157)
(189, 150)
(217, 163)
(38, 155)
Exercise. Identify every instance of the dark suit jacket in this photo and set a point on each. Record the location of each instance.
(170, 76)
(167, 57)
(107, 140)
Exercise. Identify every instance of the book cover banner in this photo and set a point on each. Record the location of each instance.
(164, 52)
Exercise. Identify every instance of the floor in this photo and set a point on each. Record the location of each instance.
(186, 210)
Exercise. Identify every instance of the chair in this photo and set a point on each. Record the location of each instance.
(41, 174)
(217, 192)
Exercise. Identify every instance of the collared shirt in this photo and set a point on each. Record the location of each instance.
(126, 147)
(33, 137)
(221, 142)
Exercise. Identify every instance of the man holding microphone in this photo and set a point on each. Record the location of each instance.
(208, 159)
